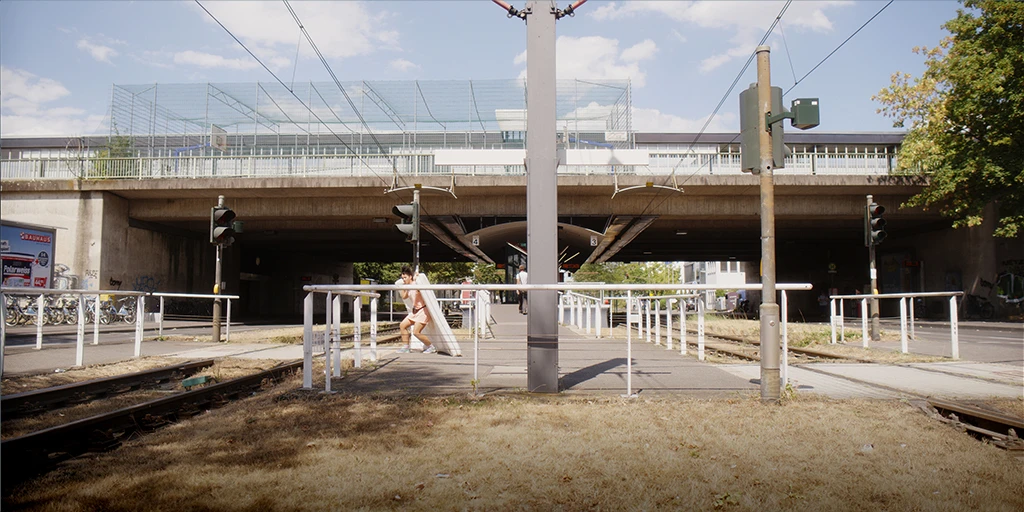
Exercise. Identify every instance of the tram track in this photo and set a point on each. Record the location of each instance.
(38, 451)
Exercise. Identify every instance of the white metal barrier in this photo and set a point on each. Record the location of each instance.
(376, 289)
(834, 319)
(227, 318)
(140, 313)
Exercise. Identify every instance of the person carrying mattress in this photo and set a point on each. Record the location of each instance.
(418, 318)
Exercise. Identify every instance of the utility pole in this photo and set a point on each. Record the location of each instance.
(876, 322)
(541, 188)
(770, 377)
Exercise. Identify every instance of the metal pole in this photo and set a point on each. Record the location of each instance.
(96, 321)
(784, 378)
(39, 323)
(770, 387)
(864, 322)
(216, 283)
(876, 322)
(80, 339)
(903, 325)
(416, 228)
(140, 321)
(373, 329)
(700, 330)
(227, 324)
(629, 344)
(160, 325)
(954, 329)
(541, 197)
(307, 341)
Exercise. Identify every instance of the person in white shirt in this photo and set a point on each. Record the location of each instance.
(521, 278)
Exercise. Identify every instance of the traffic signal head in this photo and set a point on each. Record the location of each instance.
(221, 230)
(874, 224)
(410, 223)
(750, 126)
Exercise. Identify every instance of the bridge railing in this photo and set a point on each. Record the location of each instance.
(662, 163)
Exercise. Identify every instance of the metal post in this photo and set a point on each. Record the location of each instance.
(700, 330)
(307, 341)
(416, 228)
(903, 325)
(96, 321)
(912, 335)
(357, 334)
(629, 344)
(541, 197)
(668, 324)
(864, 322)
(876, 321)
(160, 324)
(217, 278)
(373, 329)
(784, 373)
(769, 309)
(80, 339)
(954, 329)
(657, 322)
(336, 338)
(227, 325)
(328, 339)
(842, 321)
(682, 327)
(39, 322)
(832, 318)
(476, 344)
(140, 321)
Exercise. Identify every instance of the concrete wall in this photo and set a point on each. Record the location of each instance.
(79, 221)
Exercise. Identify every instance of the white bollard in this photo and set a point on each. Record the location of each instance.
(832, 319)
(954, 329)
(357, 333)
(842, 321)
(903, 325)
(700, 329)
(668, 324)
(682, 327)
(307, 341)
(140, 322)
(657, 322)
(864, 322)
(80, 340)
(39, 323)
(784, 371)
(373, 329)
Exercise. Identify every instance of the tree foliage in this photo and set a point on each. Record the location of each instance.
(627, 273)
(965, 116)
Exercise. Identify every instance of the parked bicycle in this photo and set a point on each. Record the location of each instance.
(978, 307)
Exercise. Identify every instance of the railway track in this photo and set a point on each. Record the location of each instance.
(38, 401)
(750, 350)
(31, 454)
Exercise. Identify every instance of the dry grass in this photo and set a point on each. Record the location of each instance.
(292, 450)
(818, 338)
(23, 383)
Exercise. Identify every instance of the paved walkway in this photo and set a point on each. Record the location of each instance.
(587, 365)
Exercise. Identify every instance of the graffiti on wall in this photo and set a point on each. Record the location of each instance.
(1009, 284)
(146, 284)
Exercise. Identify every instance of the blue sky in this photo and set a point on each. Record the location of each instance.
(60, 59)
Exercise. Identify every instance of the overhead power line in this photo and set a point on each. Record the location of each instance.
(297, 98)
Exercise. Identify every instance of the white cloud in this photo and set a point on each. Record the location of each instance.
(640, 51)
(746, 21)
(597, 58)
(209, 60)
(97, 51)
(403, 65)
(339, 29)
(654, 121)
(22, 110)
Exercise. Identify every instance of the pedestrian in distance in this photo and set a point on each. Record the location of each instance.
(418, 318)
(521, 278)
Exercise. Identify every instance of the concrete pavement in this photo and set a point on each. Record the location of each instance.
(587, 365)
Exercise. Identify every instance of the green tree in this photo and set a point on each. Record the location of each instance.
(966, 117)
(627, 273)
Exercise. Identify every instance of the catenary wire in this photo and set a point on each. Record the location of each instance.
(363, 160)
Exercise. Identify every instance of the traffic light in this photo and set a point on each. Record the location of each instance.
(410, 223)
(750, 125)
(874, 224)
(221, 230)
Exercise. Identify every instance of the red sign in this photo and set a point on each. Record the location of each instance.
(32, 237)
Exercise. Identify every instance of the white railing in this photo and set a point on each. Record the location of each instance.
(565, 288)
(140, 313)
(839, 319)
(662, 163)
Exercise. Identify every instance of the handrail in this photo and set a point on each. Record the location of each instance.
(840, 319)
